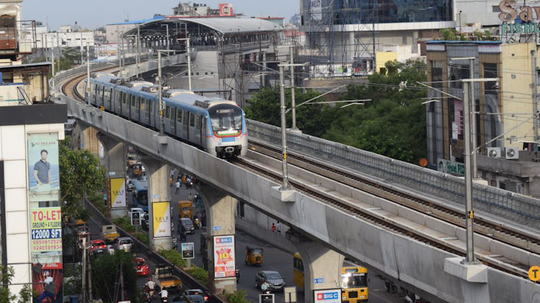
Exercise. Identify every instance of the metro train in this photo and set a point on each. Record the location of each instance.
(216, 125)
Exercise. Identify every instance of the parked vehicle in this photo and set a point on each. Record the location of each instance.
(98, 247)
(125, 244)
(187, 225)
(185, 209)
(273, 278)
(141, 267)
(166, 279)
(109, 233)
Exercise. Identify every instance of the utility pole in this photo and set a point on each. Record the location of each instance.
(469, 212)
(473, 122)
(82, 50)
(138, 59)
(84, 270)
(90, 296)
(293, 98)
(160, 93)
(189, 63)
(121, 281)
(88, 86)
(285, 184)
(59, 50)
(53, 64)
(535, 94)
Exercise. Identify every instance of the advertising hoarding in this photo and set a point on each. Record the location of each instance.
(327, 296)
(46, 229)
(225, 9)
(188, 251)
(161, 213)
(43, 168)
(47, 281)
(224, 263)
(118, 192)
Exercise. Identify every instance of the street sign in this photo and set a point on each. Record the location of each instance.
(188, 251)
(266, 298)
(318, 280)
(135, 218)
(534, 273)
(327, 296)
(290, 294)
(215, 228)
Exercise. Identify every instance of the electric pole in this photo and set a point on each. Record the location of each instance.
(293, 98)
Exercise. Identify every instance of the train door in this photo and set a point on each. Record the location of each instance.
(185, 120)
(173, 120)
(191, 128)
(198, 129)
(178, 128)
(204, 140)
(142, 111)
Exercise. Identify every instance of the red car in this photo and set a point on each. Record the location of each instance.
(98, 246)
(141, 267)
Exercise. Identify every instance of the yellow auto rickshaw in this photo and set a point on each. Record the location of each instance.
(136, 170)
(254, 255)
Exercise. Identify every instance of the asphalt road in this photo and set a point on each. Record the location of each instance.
(274, 259)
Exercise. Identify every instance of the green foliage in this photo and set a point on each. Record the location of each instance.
(81, 176)
(106, 274)
(72, 279)
(143, 237)
(237, 297)
(6, 276)
(200, 274)
(125, 224)
(174, 257)
(393, 124)
(311, 119)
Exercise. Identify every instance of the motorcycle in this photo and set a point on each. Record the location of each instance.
(237, 275)
(189, 182)
(196, 222)
(413, 298)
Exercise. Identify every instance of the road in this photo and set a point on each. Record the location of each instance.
(274, 259)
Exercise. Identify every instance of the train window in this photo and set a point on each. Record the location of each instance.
(199, 122)
(185, 118)
(192, 119)
(138, 102)
(133, 101)
(150, 109)
(143, 104)
(167, 112)
(179, 114)
(107, 94)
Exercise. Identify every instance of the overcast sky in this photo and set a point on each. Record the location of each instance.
(95, 13)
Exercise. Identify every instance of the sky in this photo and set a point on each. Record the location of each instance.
(96, 13)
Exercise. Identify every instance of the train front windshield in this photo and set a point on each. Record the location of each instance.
(226, 119)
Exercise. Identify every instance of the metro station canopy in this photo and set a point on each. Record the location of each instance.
(206, 31)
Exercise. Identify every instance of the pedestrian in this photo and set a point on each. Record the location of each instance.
(177, 187)
(190, 197)
(274, 228)
(278, 227)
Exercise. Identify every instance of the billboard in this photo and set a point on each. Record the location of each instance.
(43, 168)
(225, 9)
(46, 230)
(327, 296)
(118, 192)
(47, 282)
(188, 251)
(224, 263)
(161, 213)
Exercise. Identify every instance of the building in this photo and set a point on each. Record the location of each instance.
(30, 130)
(114, 31)
(201, 10)
(347, 34)
(507, 123)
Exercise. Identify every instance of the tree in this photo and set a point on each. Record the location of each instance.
(311, 119)
(6, 276)
(106, 274)
(393, 123)
(80, 176)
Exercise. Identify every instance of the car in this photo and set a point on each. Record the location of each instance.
(192, 299)
(187, 225)
(124, 243)
(194, 292)
(273, 278)
(144, 222)
(98, 246)
(141, 267)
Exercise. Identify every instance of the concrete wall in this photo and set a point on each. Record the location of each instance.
(413, 262)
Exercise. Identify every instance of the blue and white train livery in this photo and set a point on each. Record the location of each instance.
(216, 125)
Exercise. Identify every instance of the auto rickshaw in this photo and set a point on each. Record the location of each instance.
(254, 255)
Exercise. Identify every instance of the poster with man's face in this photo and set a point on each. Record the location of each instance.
(43, 168)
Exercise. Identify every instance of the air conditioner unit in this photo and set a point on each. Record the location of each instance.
(512, 153)
(494, 152)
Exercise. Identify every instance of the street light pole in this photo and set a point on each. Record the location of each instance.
(293, 97)
(160, 93)
(188, 49)
(138, 59)
(88, 86)
(168, 39)
(285, 184)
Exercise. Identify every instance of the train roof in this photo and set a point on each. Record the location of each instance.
(171, 97)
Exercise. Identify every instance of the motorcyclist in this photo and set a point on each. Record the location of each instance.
(164, 295)
(151, 285)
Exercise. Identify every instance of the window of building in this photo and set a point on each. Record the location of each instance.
(437, 74)
(490, 71)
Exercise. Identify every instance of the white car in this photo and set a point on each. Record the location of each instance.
(124, 243)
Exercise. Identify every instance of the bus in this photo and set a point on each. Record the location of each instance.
(354, 280)
(139, 195)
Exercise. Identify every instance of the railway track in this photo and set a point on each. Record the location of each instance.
(392, 194)
(483, 226)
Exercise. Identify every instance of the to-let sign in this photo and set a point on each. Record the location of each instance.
(46, 229)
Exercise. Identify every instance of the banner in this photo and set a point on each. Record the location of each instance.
(188, 251)
(224, 263)
(161, 213)
(46, 230)
(47, 282)
(225, 9)
(118, 192)
(43, 168)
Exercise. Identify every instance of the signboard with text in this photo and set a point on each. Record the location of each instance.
(118, 192)
(43, 167)
(161, 213)
(46, 229)
(224, 263)
(188, 251)
(327, 296)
